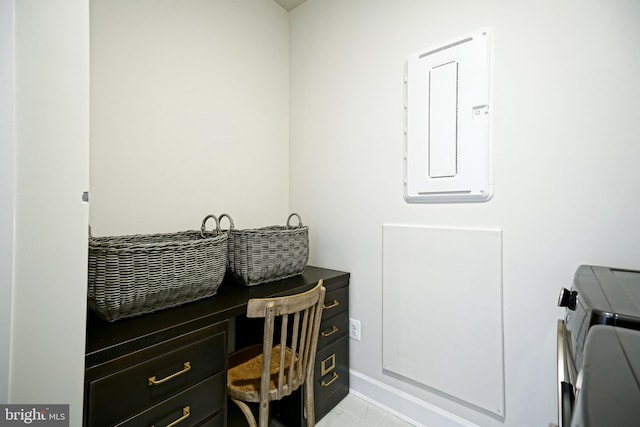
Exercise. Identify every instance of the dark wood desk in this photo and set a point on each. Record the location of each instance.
(122, 356)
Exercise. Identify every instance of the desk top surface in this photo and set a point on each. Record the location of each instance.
(106, 340)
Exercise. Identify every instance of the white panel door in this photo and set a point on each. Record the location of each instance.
(52, 165)
(442, 311)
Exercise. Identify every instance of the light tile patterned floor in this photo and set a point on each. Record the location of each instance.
(356, 412)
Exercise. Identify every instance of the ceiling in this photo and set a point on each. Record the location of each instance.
(289, 4)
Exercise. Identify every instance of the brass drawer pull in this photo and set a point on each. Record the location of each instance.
(333, 378)
(333, 330)
(186, 412)
(333, 304)
(186, 368)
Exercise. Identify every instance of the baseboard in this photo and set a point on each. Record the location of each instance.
(402, 404)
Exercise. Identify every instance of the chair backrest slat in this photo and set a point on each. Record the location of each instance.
(267, 343)
(283, 340)
(294, 349)
(303, 348)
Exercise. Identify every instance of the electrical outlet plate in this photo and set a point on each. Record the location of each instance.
(355, 329)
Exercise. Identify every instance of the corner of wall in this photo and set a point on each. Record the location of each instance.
(7, 186)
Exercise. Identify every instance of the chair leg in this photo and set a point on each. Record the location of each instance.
(246, 411)
(309, 411)
(264, 414)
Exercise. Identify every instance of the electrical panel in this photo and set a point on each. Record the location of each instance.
(448, 122)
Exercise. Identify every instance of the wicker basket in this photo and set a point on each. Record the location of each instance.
(269, 253)
(138, 274)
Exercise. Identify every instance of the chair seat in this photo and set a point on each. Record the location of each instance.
(245, 370)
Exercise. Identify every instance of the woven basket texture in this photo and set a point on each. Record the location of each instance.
(266, 254)
(138, 274)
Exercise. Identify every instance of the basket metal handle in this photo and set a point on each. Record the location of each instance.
(231, 224)
(299, 220)
(204, 222)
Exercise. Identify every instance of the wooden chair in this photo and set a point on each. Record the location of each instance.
(264, 372)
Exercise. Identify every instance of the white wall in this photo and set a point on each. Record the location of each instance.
(7, 185)
(189, 114)
(51, 152)
(566, 175)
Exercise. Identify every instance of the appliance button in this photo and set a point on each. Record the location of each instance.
(567, 299)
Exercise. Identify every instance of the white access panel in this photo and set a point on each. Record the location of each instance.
(442, 321)
(448, 131)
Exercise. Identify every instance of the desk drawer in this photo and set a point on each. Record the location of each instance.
(331, 376)
(333, 328)
(335, 302)
(126, 392)
(192, 406)
(217, 421)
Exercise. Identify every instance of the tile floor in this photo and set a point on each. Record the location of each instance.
(356, 412)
